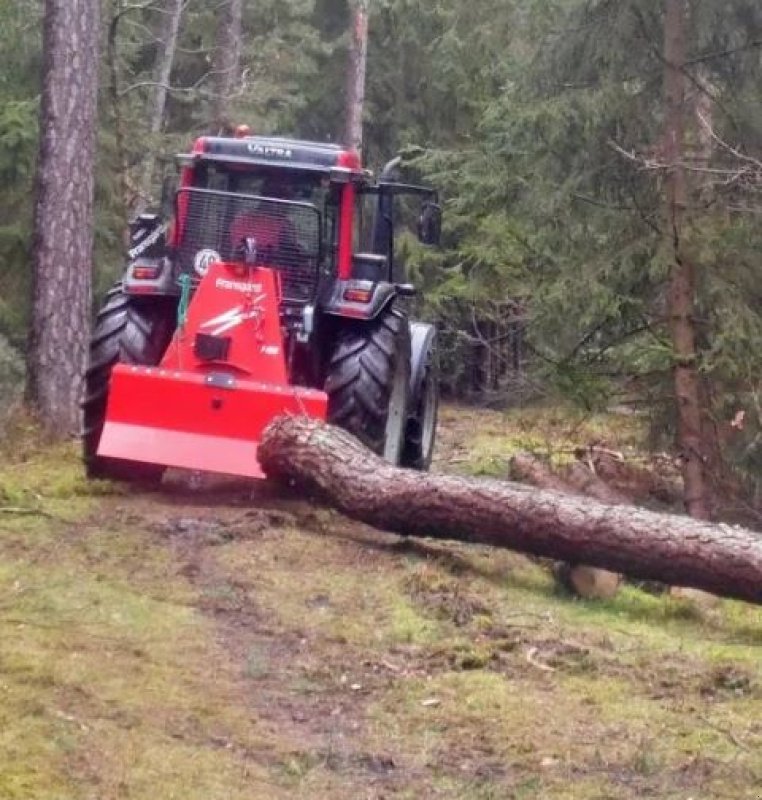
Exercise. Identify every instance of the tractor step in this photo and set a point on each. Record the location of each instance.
(210, 421)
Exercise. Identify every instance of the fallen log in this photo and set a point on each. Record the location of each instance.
(583, 480)
(527, 468)
(592, 583)
(720, 559)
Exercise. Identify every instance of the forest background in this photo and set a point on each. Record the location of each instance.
(548, 126)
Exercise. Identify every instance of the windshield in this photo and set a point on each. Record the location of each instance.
(283, 184)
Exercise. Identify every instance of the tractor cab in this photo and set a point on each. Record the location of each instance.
(317, 212)
(272, 290)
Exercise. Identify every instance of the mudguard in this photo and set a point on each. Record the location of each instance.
(339, 301)
(163, 281)
(422, 336)
(149, 270)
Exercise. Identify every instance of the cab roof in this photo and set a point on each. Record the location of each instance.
(275, 151)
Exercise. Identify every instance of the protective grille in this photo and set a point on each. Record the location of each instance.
(286, 235)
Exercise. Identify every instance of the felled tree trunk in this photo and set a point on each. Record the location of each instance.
(528, 469)
(581, 579)
(583, 480)
(678, 550)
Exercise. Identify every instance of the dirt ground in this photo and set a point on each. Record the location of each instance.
(220, 639)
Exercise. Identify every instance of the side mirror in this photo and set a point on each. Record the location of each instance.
(430, 224)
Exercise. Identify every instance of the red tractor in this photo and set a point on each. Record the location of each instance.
(273, 289)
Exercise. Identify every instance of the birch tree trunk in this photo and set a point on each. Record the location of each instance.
(226, 64)
(63, 220)
(676, 550)
(681, 296)
(170, 28)
(356, 69)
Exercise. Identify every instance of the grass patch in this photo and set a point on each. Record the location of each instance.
(292, 653)
(112, 682)
(484, 441)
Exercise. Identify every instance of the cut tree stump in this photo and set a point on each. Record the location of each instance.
(720, 559)
(592, 583)
(581, 478)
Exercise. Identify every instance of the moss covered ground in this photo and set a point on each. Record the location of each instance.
(229, 641)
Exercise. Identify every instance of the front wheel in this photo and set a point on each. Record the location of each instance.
(128, 330)
(367, 382)
(421, 428)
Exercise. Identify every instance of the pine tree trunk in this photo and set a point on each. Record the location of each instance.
(681, 298)
(63, 223)
(639, 543)
(356, 68)
(226, 64)
(583, 580)
(170, 29)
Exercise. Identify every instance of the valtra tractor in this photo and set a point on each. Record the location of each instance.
(273, 289)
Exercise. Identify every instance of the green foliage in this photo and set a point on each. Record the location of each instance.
(523, 114)
(545, 207)
(19, 58)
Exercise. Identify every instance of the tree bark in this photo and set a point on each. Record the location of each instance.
(528, 469)
(581, 579)
(226, 64)
(681, 297)
(583, 480)
(677, 550)
(63, 222)
(170, 29)
(356, 69)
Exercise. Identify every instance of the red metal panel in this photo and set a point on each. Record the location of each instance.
(346, 231)
(349, 159)
(210, 414)
(181, 419)
(186, 181)
(182, 449)
(240, 303)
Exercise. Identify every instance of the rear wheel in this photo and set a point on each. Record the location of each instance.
(128, 330)
(368, 382)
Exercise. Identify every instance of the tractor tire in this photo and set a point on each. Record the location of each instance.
(421, 430)
(368, 379)
(128, 330)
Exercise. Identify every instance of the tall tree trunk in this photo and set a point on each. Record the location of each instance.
(226, 64)
(116, 13)
(640, 543)
(172, 12)
(703, 194)
(681, 298)
(355, 81)
(63, 223)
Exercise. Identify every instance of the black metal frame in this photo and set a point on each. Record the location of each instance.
(383, 227)
(232, 197)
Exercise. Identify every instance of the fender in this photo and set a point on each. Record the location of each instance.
(358, 299)
(149, 271)
(154, 276)
(422, 338)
